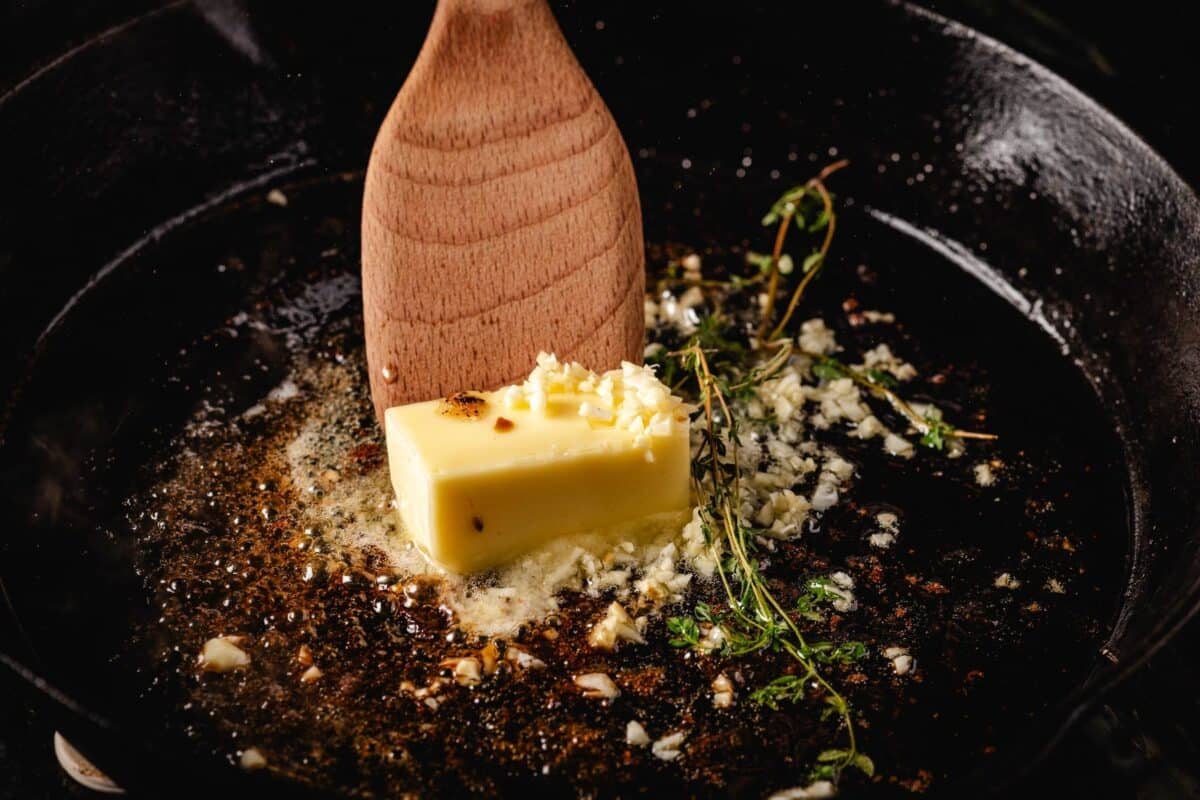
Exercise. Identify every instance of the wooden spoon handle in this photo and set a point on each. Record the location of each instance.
(500, 214)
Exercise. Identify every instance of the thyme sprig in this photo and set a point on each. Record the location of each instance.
(810, 200)
(935, 432)
(756, 620)
(711, 367)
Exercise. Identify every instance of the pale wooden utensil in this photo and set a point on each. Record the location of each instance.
(500, 215)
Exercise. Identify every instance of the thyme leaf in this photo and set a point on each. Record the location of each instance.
(881, 378)
(936, 433)
(784, 689)
(839, 653)
(686, 632)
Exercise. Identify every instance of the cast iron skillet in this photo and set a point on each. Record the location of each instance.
(132, 133)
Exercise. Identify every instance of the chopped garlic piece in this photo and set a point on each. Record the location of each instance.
(669, 747)
(467, 671)
(882, 358)
(783, 514)
(816, 338)
(635, 734)
(616, 626)
(595, 413)
(869, 427)
(723, 691)
(1006, 581)
(889, 526)
(222, 654)
(522, 659)
(984, 475)
(902, 662)
(597, 686)
(843, 586)
(252, 759)
(304, 656)
(882, 540)
(825, 496)
(1055, 586)
(816, 789)
(841, 469)
(897, 446)
(311, 674)
(713, 639)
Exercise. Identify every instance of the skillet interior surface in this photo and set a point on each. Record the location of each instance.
(1055, 199)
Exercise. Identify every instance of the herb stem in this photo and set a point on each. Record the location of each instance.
(773, 282)
(897, 402)
(755, 608)
(816, 185)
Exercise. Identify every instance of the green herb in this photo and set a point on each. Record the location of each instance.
(859, 761)
(712, 368)
(881, 378)
(686, 632)
(828, 369)
(839, 653)
(809, 201)
(784, 689)
(816, 590)
(935, 432)
(756, 621)
(761, 261)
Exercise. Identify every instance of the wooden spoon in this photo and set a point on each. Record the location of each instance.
(500, 215)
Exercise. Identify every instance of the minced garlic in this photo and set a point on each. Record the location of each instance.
(902, 662)
(669, 747)
(252, 759)
(1006, 581)
(631, 398)
(984, 476)
(635, 734)
(723, 692)
(222, 654)
(615, 627)
(597, 686)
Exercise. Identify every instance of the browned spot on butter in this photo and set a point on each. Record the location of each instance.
(463, 405)
(504, 425)
(477, 524)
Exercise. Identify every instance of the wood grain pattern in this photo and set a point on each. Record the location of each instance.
(500, 215)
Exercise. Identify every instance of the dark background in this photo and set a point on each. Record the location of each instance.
(1141, 60)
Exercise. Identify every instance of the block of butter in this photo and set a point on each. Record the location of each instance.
(482, 477)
